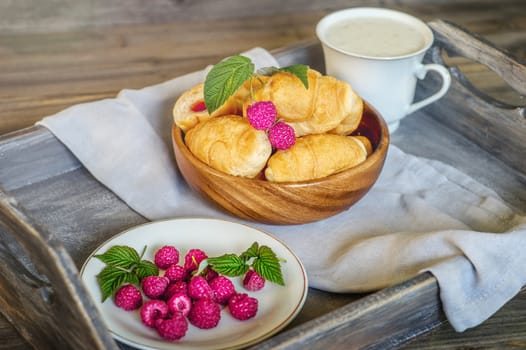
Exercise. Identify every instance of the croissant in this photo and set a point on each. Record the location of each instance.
(366, 143)
(230, 144)
(328, 105)
(190, 109)
(334, 103)
(315, 156)
(352, 121)
(292, 100)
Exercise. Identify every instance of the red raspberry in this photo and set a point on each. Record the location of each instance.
(253, 281)
(199, 106)
(243, 307)
(180, 303)
(223, 289)
(175, 272)
(179, 287)
(198, 288)
(262, 115)
(173, 328)
(282, 136)
(193, 258)
(166, 256)
(128, 297)
(154, 286)
(153, 310)
(205, 314)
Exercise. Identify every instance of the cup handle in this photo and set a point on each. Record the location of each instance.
(446, 82)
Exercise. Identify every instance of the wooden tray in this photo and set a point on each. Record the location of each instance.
(53, 213)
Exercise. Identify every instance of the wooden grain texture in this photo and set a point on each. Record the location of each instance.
(57, 53)
(286, 203)
(84, 212)
(64, 15)
(60, 53)
(40, 299)
(382, 320)
(501, 130)
(505, 330)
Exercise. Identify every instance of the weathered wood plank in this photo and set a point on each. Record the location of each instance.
(383, 320)
(43, 158)
(40, 291)
(64, 15)
(55, 190)
(489, 335)
(498, 128)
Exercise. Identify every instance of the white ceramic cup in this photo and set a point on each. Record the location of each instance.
(386, 78)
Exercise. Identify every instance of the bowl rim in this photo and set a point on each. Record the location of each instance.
(378, 154)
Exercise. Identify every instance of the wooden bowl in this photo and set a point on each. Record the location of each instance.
(287, 202)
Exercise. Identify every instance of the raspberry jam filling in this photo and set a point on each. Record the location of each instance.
(199, 106)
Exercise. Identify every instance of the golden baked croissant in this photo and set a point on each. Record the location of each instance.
(315, 156)
(328, 105)
(190, 108)
(292, 100)
(230, 144)
(334, 102)
(366, 143)
(352, 121)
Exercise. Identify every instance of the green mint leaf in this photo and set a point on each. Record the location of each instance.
(146, 268)
(229, 265)
(268, 265)
(122, 256)
(111, 278)
(224, 79)
(251, 252)
(300, 71)
(143, 251)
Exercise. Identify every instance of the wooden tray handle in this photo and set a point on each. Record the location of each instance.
(40, 292)
(458, 41)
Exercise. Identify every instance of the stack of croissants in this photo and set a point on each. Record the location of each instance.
(322, 116)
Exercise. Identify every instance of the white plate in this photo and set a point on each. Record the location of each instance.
(278, 305)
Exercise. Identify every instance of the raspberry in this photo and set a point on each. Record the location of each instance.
(154, 286)
(198, 288)
(179, 287)
(199, 106)
(175, 273)
(193, 258)
(243, 307)
(262, 115)
(205, 314)
(282, 136)
(223, 289)
(253, 281)
(180, 303)
(128, 297)
(166, 256)
(153, 310)
(173, 328)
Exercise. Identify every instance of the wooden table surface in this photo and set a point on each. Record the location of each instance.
(57, 53)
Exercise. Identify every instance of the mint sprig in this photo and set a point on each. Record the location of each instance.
(227, 76)
(261, 258)
(224, 79)
(123, 265)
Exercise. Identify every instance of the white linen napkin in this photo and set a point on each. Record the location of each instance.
(421, 215)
